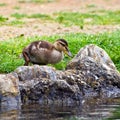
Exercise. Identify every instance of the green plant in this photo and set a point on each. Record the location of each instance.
(10, 50)
(41, 16)
(18, 15)
(96, 18)
(115, 114)
(3, 19)
(37, 15)
(16, 23)
(2, 4)
(16, 7)
(91, 6)
(72, 118)
(35, 1)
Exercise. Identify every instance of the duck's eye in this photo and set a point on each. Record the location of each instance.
(66, 49)
(62, 44)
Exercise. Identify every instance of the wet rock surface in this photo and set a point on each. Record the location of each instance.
(91, 73)
(9, 91)
(9, 84)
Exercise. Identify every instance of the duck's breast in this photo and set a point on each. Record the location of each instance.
(55, 56)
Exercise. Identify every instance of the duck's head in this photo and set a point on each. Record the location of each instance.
(62, 46)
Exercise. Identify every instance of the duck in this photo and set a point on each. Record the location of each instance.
(42, 52)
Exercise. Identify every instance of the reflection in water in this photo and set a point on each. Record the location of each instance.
(88, 110)
(9, 115)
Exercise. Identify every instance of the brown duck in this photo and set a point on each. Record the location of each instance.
(43, 52)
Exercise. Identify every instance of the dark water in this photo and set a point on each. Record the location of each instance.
(92, 109)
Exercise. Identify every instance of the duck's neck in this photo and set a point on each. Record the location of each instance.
(57, 47)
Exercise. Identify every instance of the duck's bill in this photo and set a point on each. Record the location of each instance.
(69, 53)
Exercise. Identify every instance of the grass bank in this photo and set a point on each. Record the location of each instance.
(10, 50)
(98, 17)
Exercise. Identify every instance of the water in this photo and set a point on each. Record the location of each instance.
(94, 109)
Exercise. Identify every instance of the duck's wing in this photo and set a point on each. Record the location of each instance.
(45, 45)
(40, 46)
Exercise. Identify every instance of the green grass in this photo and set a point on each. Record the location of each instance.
(37, 15)
(40, 16)
(18, 15)
(100, 17)
(2, 4)
(91, 6)
(3, 19)
(16, 7)
(10, 50)
(17, 23)
(115, 114)
(96, 18)
(72, 118)
(36, 1)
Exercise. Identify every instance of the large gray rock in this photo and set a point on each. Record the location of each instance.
(97, 54)
(96, 66)
(90, 73)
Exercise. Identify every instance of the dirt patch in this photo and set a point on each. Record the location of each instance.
(49, 29)
(58, 5)
(36, 27)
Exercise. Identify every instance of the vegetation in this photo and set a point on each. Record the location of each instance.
(101, 17)
(18, 15)
(73, 118)
(10, 50)
(41, 16)
(3, 19)
(2, 4)
(35, 1)
(16, 7)
(18, 23)
(38, 15)
(91, 6)
(116, 114)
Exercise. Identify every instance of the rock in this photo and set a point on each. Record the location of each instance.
(96, 66)
(9, 84)
(90, 73)
(43, 81)
(97, 54)
(30, 72)
(9, 91)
